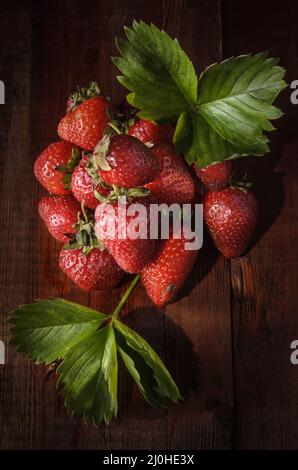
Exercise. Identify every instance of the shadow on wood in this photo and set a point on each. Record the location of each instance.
(188, 377)
(206, 259)
(267, 186)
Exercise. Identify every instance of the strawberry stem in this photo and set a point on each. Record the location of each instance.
(84, 212)
(123, 300)
(115, 128)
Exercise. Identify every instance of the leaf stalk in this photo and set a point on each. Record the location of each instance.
(123, 300)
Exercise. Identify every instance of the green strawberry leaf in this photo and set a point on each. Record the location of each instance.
(145, 366)
(74, 335)
(234, 108)
(47, 329)
(235, 100)
(223, 115)
(157, 71)
(88, 377)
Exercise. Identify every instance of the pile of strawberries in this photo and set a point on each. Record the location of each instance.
(101, 157)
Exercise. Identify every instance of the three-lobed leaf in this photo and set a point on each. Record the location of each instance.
(85, 342)
(221, 116)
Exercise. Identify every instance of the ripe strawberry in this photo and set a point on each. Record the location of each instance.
(174, 183)
(86, 119)
(148, 132)
(131, 163)
(166, 274)
(83, 185)
(132, 254)
(54, 166)
(215, 176)
(96, 270)
(231, 216)
(59, 214)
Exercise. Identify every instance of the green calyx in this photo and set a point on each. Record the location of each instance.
(82, 94)
(92, 170)
(98, 158)
(68, 169)
(85, 237)
(119, 123)
(117, 192)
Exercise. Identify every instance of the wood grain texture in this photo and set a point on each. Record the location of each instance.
(264, 301)
(226, 339)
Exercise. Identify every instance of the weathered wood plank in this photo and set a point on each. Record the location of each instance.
(265, 303)
(18, 386)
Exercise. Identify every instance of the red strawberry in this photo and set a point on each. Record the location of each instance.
(96, 270)
(231, 216)
(59, 214)
(174, 183)
(131, 254)
(166, 274)
(131, 162)
(86, 119)
(83, 185)
(54, 165)
(147, 131)
(215, 176)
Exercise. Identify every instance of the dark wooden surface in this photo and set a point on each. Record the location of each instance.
(226, 340)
